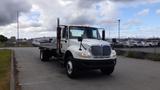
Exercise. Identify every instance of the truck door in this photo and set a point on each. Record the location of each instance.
(64, 39)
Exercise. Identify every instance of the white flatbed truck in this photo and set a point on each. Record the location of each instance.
(80, 47)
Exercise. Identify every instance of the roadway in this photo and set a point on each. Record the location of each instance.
(129, 74)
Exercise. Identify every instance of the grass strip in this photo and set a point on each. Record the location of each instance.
(5, 57)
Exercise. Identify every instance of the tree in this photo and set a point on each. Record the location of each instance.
(3, 38)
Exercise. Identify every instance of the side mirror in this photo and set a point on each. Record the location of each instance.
(80, 39)
(103, 35)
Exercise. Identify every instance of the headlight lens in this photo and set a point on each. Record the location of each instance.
(85, 54)
(113, 53)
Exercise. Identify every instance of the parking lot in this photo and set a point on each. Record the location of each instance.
(129, 74)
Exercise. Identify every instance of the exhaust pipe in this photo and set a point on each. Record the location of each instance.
(58, 36)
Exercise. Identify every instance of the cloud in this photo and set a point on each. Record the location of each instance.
(136, 1)
(132, 23)
(9, 8)
(158, 11)
(88, 3)
(82, 20)
(31, 19)
(88, 12)
(143, 12)
(43, 14)
(124, 0)
(153, 1)
(29, 24)
(133, 3)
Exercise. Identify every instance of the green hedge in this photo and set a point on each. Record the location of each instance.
(139, 55)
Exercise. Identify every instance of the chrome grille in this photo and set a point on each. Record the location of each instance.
(106, 50)
(100, 50)
(96, 50)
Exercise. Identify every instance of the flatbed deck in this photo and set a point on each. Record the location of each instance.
(49, 46)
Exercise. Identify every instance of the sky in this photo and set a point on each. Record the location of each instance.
(37, 18)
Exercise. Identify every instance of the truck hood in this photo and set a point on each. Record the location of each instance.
(89, 42)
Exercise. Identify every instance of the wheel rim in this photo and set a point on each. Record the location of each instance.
(69, 67)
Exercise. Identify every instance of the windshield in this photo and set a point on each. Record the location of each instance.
(85, 32)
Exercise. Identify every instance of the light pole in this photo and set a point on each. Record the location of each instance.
(17, 28)
(119, 35)
(109, 36)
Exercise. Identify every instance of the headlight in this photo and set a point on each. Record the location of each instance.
(85, 54)
(113, 53)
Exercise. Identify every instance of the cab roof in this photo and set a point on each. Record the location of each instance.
(85, 26)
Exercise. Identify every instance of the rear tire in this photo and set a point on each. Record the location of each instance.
(71, 68)
(44, 56)
(107, 71)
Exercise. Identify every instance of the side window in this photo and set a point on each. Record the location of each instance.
(95, 35)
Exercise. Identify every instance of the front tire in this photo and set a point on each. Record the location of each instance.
(71, 68)
(107, 71)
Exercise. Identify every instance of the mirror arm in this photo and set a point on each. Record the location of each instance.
(81, 45)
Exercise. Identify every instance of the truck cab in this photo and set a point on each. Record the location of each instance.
(83, 48)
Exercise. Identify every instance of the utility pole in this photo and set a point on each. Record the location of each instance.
(17, 28)
(119, 35)
(109, 36)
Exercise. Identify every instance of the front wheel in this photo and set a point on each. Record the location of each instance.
(107, 71)
(71, 68)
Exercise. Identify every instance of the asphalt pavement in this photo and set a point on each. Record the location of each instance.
(129, 74)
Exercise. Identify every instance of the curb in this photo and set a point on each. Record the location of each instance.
(12, 77)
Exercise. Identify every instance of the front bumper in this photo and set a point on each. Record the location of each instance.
(95, 64)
